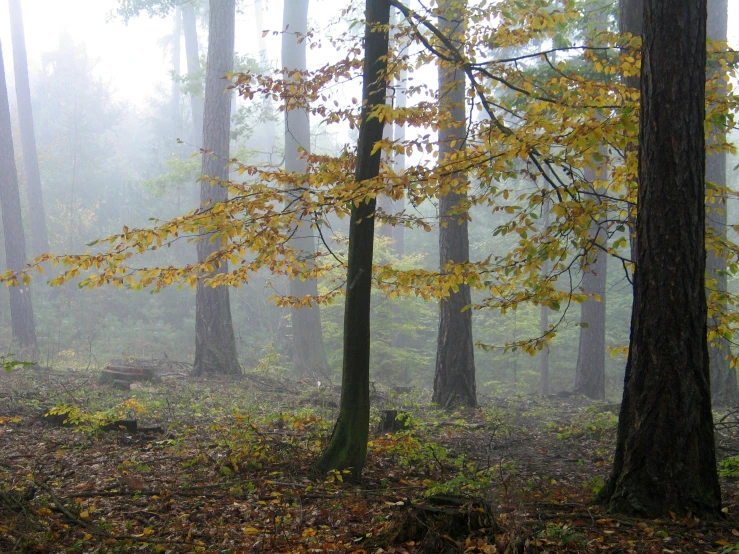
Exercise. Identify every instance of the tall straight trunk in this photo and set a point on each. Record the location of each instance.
(665, 458)
(176, 54)
(454, 381)
(723, 376)
(37, 215)
(215, 344)
(544, 380)
(21, 310)
(590, 372)
(348, 446)
(309, 357)
(192, 54)
(632, 22)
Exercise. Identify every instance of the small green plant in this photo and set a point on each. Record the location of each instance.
(590, 422)
(595, 484)
(729, 467)
(9, 363)
(74, 415)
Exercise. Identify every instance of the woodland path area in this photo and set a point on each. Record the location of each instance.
(227, 466)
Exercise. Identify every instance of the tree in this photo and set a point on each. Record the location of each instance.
(454, 380)
(215, 344)
(192, 54)
(37, 215)
(21, 310)
(665, 457)
(309, 356)
(723, 377)
(590, 371)
(176, 53)
(347, 448)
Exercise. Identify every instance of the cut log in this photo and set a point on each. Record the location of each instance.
(115, 373)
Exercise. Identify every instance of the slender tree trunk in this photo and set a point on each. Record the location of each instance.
(215, 344)
(348, 446)
(309, 357)
(37, 214)
(631, 21)
(723, 376)
(665, 457)
(590, 372)
(454, 381)
(192, 54)
(544, 380)
(176, 54)
(21, 310)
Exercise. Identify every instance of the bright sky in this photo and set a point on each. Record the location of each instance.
(131, 57)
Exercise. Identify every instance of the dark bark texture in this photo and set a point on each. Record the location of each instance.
(309, 356)
(192, 54)
(590, 372)
(723, 377)
(215, 344)
(37, 214)
(348, 446)
(21, 310)
(454, 380)
(665, 458)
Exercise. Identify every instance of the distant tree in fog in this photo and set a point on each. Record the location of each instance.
(21, 310)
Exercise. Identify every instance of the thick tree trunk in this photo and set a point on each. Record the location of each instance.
(665, 457)
(454, 381)
(723, 376)
(37, 214)
(309, 357)
(590, 372)
(215, 344)
(21, 311)
(193, 69)
(348, 446)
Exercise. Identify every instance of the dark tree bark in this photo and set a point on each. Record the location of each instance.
(215, 344)
(309, 357)
(723, 376)
(544, 380)
(193, 68)
(21, 310)
(37, 214)
(665, 457)
(454, 381)
(590, 372)
(348, 446)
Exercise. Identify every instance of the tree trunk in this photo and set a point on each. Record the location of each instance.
(348, 446)
(193, 69)
(723, 376)
(665, 457)
(37, 215)
(454, 381)
(176, 54)
(590, 372)
(631, 21)
(215, 345)
(21, 311)
(309, 357)
(544, 380)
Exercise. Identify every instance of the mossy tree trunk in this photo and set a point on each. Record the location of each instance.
(348, 446)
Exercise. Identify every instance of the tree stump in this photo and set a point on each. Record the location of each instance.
(118, 375)
(389, 422)
(442, 523)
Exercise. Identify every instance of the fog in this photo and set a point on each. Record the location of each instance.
(124, 165)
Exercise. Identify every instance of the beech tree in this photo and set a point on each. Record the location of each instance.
(37, 214)
(215, 344)
(454, 380)
(21, 310)
(347, 448)
(665, 457)
(192, 53)
(308, 354)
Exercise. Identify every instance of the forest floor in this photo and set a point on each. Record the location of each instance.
(230, 469)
